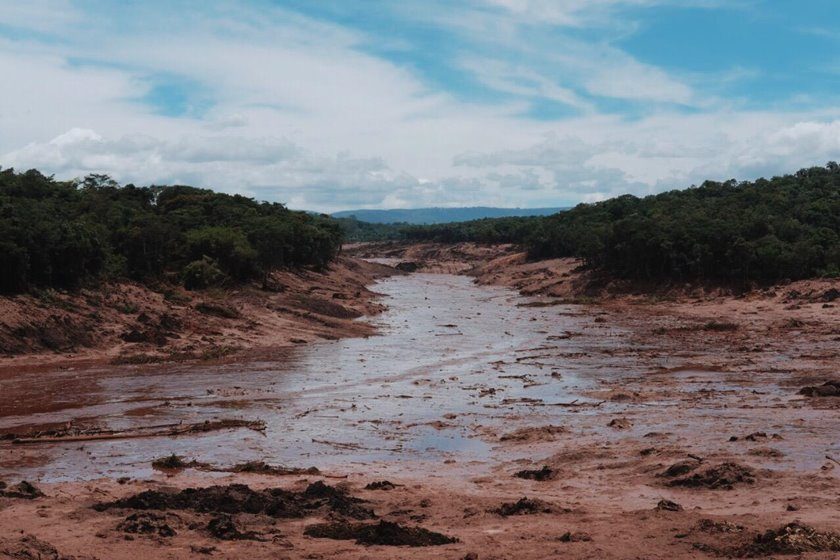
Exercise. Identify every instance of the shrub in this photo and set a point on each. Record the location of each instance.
(202, 274)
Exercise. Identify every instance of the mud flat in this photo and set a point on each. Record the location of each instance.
(478, 423)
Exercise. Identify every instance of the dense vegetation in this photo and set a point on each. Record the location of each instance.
(60, 234)
(783, 228)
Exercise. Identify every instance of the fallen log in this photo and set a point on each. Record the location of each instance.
(161, 430)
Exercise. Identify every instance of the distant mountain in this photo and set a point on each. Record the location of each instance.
(440, 215)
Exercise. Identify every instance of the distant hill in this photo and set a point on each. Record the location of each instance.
(441, 215)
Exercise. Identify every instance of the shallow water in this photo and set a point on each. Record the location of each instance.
(444, 378)
(326, 404)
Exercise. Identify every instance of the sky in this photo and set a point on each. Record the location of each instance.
(334, 104)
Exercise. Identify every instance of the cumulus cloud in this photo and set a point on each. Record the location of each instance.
(302, 110)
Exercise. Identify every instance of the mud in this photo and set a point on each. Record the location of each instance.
(28, 547)
(793, 538)
(523, 506)
(71, 434)
(718, 477)
(381, 533)
(130, 323)
(827, 389)
(148, 524)
(465, 385)
(668, 505)
(545, 473)
(22, 490)
(223, 527)
(381, 485)
(239, 498)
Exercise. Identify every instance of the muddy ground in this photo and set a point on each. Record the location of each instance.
(568, 423)
(132, 323)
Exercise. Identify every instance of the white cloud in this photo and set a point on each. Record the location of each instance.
(301, 112)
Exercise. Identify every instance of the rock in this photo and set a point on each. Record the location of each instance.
(668, 505)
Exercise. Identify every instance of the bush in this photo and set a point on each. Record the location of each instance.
(202, 274)
(227, 247)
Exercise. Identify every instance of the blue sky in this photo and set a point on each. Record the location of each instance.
(332, 104)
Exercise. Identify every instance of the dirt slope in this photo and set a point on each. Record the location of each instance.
(132, 323)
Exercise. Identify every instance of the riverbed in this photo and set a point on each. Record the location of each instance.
(464, 387)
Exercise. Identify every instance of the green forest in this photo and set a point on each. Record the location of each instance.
(61, 234)
(766, 230)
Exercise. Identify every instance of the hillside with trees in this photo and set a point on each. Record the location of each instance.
(60, 234)
(766, 230)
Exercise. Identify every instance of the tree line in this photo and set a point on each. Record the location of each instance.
(61, 234)
(787, 227)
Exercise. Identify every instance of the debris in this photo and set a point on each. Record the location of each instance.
(260, 467)
(172, 462)
(723, 476)
(793, 538)
(524, 506)
(407, 266)
(712, 526)
(382, 533)
(162, 430)
(23, 490)
(766, 452)
(827, 389)
(239, 498)
(668, 505)
(620, 424)
(574, 537)
(146, 523)
(680, 468)
(381, 485)
(545, 473)
(29, 547)
(217, 310)
(528, 434)
(575, 403)
(224, 528)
